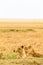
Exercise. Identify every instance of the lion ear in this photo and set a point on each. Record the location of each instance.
(22, 46)
(29, 47)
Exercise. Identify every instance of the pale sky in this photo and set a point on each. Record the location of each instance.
(21, 9)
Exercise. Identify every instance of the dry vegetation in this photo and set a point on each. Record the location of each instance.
(22, 42)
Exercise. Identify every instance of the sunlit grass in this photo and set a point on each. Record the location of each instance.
(25, 61)
(11, 59)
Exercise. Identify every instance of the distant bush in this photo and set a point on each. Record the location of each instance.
(12, 30)
(30, 30)
(17, 30)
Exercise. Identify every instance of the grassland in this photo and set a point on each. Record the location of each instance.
(26, 61)
(21, 43)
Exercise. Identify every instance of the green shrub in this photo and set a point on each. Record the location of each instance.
(9, 55)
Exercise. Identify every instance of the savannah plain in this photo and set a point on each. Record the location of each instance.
(21, 43)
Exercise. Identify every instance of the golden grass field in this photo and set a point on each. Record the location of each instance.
(24, 39)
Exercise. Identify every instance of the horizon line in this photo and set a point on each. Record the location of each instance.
(20, 20)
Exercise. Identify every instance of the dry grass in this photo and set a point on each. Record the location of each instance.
(25, 39)
(25, 61)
